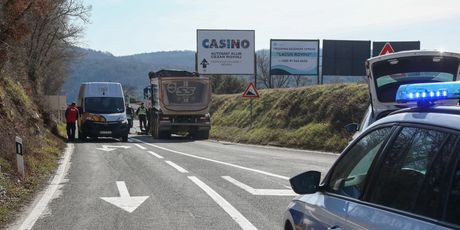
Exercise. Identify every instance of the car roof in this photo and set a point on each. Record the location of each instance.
(441, 116)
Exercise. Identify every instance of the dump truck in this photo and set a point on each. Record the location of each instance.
(178, 104)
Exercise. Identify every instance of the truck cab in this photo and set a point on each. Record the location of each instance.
(386, 73)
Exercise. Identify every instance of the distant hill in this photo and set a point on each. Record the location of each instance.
(129, 70)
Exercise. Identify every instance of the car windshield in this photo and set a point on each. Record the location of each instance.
(390, 74)
(104, 105)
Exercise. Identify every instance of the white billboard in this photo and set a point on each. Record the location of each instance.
(294, 57)
(226, 52)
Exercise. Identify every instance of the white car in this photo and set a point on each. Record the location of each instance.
(401, 172)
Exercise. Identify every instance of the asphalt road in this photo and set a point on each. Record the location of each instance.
(176, 184)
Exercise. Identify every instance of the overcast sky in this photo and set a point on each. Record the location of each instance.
(125, 27)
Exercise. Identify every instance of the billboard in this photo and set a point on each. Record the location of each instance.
(294, 57)
(226, 52)
(378, 47)
(345, 58)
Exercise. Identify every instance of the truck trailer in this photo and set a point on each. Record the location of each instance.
(178, 104)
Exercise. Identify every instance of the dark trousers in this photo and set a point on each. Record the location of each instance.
(70, 131)
(142, 120)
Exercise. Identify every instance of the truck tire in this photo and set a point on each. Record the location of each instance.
(164, 135)
(201, 135)
(155, 130)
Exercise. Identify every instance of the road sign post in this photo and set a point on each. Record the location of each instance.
(20, 156)
(251, 93)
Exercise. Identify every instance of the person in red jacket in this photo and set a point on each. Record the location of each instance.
(71, 116)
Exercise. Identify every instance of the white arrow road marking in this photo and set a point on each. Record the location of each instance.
(216, 161)
(224, 204)
(177, 167)
(261, 192)
(140, 146)
(155, 154)
(125, 201)
(109, 148)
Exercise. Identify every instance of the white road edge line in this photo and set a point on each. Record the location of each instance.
(219, 162)
(155, 154)
(260, 192)
(140, 146)
(224, 204)
(177, 167)
(50, 190)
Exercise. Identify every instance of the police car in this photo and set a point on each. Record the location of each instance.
(402, 172)
(386, 73)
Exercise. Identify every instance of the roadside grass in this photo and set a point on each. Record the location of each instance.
(309, 118)
(62, 131)
(40, 163)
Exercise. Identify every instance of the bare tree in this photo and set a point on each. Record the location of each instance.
(280, 81)
(298, 80)
(263, 72)
(263, 68)
(13, 25)
(52, 36)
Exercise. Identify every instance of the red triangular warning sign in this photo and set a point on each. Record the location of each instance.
(251, 91)
(387, 49)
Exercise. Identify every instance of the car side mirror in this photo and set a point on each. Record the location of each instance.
(351, 128)
(306, 183)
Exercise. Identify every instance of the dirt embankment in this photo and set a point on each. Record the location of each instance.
(20, 115)
(309, 118)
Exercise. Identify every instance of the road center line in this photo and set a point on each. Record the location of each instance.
(218, 162)
(155, 154)
(224, 204)
(37, 211)
(177, 167)
(140, 146)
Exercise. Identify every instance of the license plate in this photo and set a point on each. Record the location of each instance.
(105, 132)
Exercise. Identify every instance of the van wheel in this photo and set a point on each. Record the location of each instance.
(81, 136)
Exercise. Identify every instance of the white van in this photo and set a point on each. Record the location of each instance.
(102, 109)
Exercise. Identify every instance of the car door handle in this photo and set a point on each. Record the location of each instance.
(335, 227)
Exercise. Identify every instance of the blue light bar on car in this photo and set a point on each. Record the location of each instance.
(428, 92)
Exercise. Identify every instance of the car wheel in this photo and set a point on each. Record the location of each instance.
(288, 226)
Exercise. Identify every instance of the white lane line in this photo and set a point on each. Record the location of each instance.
(156, 155)
(260, 192)
(58, 178)
(219, 162)
(224, 204)
(140, 146)
(177, 167)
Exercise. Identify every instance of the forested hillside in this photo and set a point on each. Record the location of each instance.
(131, 71)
